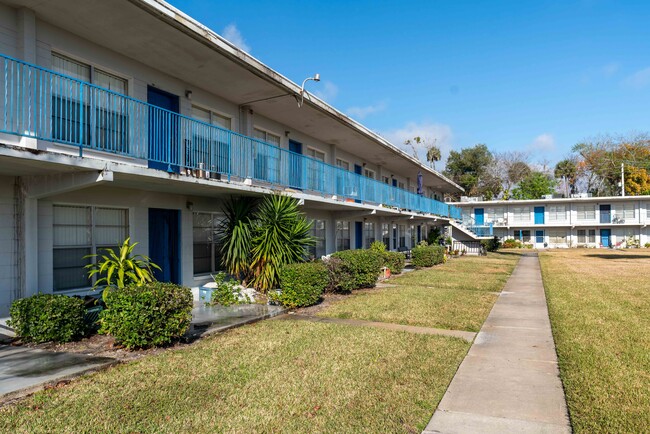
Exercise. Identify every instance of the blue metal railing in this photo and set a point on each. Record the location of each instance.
(40, 103)
(481, 230)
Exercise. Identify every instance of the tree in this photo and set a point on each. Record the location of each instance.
(600, 159)
(433, 152)
(534, 186)
(469, 168)
(510, 168)
(567, 170)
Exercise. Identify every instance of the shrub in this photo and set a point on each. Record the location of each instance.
(340, 276)
(427, 256)
(491, 245)
(512, 244)
(122, 268)
(227, 292)
(394, 261)
(647, 245)
(434, 236)
(150, 315)
(301, 284)
(362, 267)
(48, 317)
(378, 246)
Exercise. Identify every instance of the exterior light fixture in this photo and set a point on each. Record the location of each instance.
(188, 94)
(316, 77)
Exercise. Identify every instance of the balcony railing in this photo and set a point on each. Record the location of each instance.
(40, 103)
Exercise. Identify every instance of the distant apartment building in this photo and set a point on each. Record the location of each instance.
(560, 223)
(130, 119)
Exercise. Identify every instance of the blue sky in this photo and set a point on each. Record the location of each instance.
(530, 76)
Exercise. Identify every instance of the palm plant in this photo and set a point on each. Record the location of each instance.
(235, 234)
(122, 268)
(281, 236)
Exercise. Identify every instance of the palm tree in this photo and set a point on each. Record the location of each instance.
(433, 155)
(281, 236)
(235, 235)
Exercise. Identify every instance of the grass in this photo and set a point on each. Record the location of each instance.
(599, 304)
(457, 295)
(273, 376)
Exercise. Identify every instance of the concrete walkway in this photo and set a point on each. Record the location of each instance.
(509, 381)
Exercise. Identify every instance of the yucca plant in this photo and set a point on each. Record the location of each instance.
(122, 268)
(235, 234)
(280, 236)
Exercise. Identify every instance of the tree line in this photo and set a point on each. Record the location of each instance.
(593, 166)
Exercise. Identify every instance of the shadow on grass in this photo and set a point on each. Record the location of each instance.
(617, 256)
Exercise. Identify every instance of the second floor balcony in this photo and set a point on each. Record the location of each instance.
(42, 104)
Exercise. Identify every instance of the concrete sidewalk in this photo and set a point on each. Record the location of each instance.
(509, 381)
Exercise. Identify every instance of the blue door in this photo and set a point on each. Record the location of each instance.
(164, 243)
(604, 237)
(358, 235)
(419, 233)
(479, 216)
(539, 215)
(539, 237)
(295, 164)
(164, 145)
(605, 214)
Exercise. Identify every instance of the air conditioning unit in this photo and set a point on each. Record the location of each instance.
(547, 196)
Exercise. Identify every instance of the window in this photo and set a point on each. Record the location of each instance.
(523, 236)
(556, 213)
(342, 164)
(368, 234)
(385, 234)
(592, 235)
(586, 212)
(402, 235)
(369, 173)
(401, 185)
(342, 235)
(266, 164)
(625, 211)
(413, 234)
(209, 146)
(73, 123)
(582, 236)
(521, 214)
(80, 231)
(495, 215)
(385, 179)
(206, 254)
(557, 236)
(318, 232)
(315, 170)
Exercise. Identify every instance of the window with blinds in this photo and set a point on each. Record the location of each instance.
(557, 237)
(625, 211)
(80, 231)
(267, 158)
(368, 234)
(107, 126)
(521, 214)
(206, 256)
(556, 213)
(586, 212)
(342, 235)
(318, 232)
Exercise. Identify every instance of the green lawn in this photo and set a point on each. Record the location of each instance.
(599, 304)
(273, 376)
(457, 295)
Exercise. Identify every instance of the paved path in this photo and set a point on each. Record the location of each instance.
(468, 336)
(509, 381)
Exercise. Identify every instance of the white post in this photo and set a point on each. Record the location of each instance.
(622, 180)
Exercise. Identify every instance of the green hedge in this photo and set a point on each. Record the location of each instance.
(150, 315)
(427, 256)
(48, 317)
(301, 284)
(491, 245)
(394, 261)
(361, 269)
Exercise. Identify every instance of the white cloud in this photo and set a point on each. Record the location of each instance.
(542, 144)
(326, 91)
(232, 34)
(441, 133)
(638, 80)
(363, 112)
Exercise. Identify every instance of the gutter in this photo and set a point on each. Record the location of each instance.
(188, 25)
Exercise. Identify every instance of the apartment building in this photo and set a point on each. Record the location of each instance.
(560, 223)
(129, 118)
